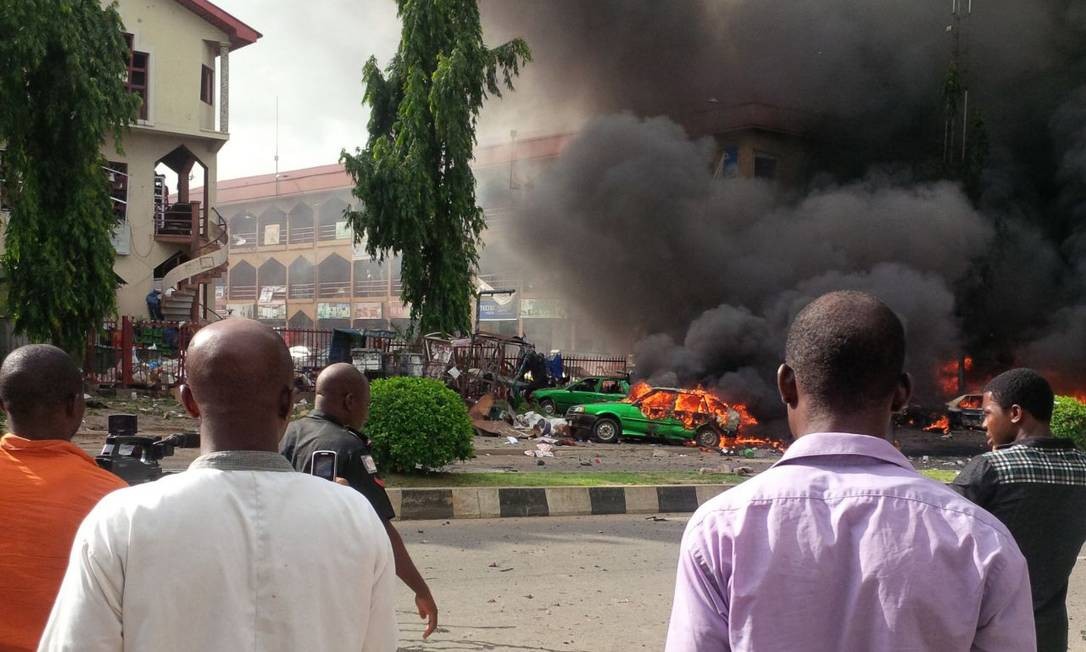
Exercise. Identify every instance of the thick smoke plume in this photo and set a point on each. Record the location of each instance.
(700, 275)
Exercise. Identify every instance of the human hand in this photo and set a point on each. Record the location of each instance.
(342, 481)
(427, 611)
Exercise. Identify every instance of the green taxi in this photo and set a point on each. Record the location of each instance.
(595, 389)
(661, 413)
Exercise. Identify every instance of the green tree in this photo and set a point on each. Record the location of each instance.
(1069, 420)
(413, 178)
(62, 92)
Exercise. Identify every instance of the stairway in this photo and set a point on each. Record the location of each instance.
(181, 284)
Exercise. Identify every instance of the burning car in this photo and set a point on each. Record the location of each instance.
(965, 412)
(597, 389)
(663, 413)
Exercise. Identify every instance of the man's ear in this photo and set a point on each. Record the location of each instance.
(74, 406)
(786, 385)
(286, 402)
(902, 393)
(1016, 413)
(189, 402)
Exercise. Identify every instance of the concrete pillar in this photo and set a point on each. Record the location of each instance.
(224, 88)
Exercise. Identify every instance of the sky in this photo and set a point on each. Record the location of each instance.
(311, 58)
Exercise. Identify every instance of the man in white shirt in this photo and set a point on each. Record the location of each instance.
(239, 552)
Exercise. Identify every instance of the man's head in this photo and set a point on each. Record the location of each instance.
(844, 361)
(239, 376)
(41, 391)
(343, 393)
(1017, 403)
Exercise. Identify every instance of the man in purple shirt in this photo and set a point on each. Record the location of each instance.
(841, 545)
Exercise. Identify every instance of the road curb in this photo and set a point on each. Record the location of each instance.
(506, 502)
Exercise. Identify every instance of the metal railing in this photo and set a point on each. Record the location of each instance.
(332, 289)
(327, 232)
(178, 219)
(301, 234)
(138, 353)
(371, 288)
(242, 292)
(301, 290)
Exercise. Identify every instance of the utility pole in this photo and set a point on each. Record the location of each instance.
(955, 90)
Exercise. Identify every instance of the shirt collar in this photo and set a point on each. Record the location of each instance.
(317, 414)
(1040, 442)
(13, 442)
(242, 461)
(820, 444)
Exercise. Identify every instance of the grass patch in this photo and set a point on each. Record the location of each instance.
(942, 475)
(570, 479)
(558, 479)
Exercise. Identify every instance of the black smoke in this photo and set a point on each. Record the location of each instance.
(699, 276)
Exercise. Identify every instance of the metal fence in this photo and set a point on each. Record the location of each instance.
(589, 364)
(138, 353)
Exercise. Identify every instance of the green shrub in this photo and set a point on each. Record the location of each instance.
(1069, 420)
(417, 423)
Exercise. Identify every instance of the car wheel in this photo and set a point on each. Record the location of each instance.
(707, 437)
(606, 430)
(548, 407)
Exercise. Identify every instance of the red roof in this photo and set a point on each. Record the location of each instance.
(334, 177)
(240, 33)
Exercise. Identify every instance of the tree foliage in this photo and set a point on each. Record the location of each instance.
(1069, 420)
(62, 93)
(417, 422)
(413, 178)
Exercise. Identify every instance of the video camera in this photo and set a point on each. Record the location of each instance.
(135, 458)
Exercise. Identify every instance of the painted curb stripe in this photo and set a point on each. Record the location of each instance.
(523, 502)
(678, 499)
(420, 504)
(490, 502)
(607, 500)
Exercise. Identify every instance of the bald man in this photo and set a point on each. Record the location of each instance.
(47, 485)
(239, 552)
(340, 411)
(842, 545)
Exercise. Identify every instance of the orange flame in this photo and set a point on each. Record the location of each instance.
(947, 375)
(695, 407)
(942, 425)
(971, 402)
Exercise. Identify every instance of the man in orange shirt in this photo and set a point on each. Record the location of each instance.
(47, 483)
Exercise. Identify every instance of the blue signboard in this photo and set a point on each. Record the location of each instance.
(491, 310)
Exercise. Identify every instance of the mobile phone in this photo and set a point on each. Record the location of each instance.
(323, 464)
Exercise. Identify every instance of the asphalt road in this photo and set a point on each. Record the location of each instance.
(559, 584)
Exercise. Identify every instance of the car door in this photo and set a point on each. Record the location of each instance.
(609, 390)
(671, 427)
(579, 393)
(653, 414)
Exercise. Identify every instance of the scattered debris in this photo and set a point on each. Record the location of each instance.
(743, 470)
(655, 519)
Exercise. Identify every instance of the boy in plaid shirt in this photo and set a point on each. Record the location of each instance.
(1036, 485)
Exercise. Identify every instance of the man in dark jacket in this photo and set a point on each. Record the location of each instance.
(340, 410)
(1036, 485)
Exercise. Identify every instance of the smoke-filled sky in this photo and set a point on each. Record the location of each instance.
(710, 271)
(700, 276)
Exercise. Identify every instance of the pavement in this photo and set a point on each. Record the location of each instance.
(559, 584)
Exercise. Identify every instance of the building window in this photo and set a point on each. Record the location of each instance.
(139, 65)
(765, 166)
(207, 85)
